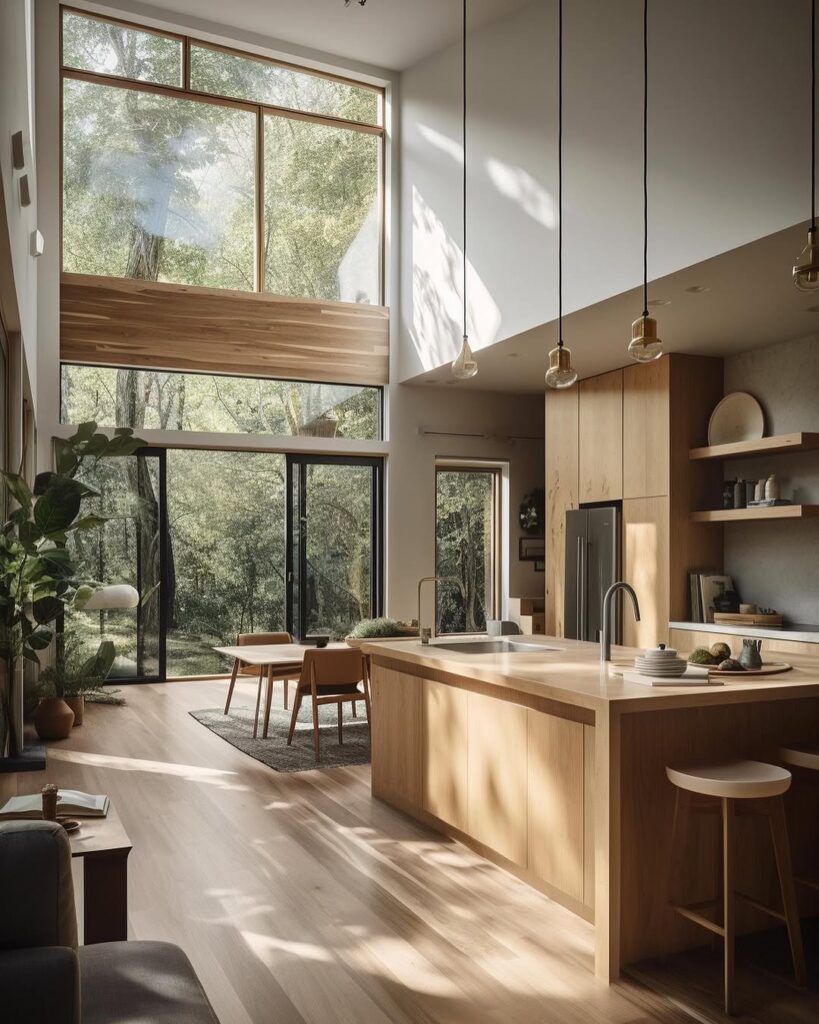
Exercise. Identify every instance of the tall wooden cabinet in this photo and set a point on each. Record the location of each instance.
(634, 429)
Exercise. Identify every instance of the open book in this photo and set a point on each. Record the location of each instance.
(69, 801)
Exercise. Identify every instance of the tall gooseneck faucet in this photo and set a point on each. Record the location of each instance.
(605, 633)
(435, 579)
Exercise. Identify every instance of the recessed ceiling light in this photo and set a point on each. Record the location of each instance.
(697, 289)
(659, 302)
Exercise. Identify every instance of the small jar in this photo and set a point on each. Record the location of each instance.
(739, 494)
(50, 802)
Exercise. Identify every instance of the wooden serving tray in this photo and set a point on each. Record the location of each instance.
(770, 668)
(738, 619)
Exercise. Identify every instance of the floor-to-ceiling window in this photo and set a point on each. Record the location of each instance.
(467, 545)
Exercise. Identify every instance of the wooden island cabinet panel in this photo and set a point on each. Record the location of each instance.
(396, 737)
(646, 429)
(444, 773)
(601, 437)
(646, 567)
(556, 797)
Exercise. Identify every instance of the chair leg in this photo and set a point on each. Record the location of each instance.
(268, 702)
(286, 692)
(784, 867)
(258, 702)
(316, 726)
(367, 706)
(728, 901)
(355, 709)
(232, 684)
(340, 733)
(294, 716)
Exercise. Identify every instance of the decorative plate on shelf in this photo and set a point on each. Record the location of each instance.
(738, 417)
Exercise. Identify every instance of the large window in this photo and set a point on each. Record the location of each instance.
(467, 546)
(195, 165)
(160, 400)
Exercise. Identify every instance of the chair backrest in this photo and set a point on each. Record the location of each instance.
(36, 887)
(256, 639)
(336, 669)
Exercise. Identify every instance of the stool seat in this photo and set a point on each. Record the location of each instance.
(733, 780)
(801, 756)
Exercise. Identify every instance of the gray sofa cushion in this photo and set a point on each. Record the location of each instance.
(141, 983)
(38, 986)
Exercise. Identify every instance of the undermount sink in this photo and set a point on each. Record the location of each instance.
(504, 646)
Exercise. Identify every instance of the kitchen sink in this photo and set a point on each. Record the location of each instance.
(501, 646)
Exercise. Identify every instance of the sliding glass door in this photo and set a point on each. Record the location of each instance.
(334, 543)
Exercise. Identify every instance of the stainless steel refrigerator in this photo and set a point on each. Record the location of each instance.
(592, 565)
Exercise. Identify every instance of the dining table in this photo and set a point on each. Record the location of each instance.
(275, 662)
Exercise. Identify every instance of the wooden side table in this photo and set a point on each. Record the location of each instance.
(103, 845)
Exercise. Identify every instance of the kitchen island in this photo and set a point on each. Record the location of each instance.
(552, 766)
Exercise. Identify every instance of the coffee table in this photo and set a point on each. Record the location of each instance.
(103, 845)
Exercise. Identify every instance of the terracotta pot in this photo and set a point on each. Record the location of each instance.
(77, 705)
(53, 719)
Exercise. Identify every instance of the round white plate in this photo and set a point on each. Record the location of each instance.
(738, 417)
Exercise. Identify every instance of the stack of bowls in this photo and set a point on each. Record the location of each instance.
(660, 661)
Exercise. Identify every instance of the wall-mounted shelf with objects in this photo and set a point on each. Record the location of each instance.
(735, 515)
(798, 442)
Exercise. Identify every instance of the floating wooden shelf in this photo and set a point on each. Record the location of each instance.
(738, 515)
(798, 442)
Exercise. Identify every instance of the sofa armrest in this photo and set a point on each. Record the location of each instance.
(39, 985)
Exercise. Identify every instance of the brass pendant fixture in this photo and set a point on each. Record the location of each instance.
(561, 373)
(464, 366)
(645, 346)
(806, 268)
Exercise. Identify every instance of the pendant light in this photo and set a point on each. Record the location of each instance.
(806, 269)
(645, 346)
(464, 365)
(561, 373)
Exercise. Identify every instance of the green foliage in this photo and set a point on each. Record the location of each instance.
(38, 577)
(463, 538)
(369, 629)
(701, 656)
(74, 674)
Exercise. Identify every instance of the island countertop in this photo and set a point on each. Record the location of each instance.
(574, 674)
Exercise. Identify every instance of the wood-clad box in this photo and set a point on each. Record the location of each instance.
(601, 437)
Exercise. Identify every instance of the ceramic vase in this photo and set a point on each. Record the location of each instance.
(53, 719)
(750, 655)
(77, 705)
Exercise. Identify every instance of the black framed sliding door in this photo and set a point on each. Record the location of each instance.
(334, 544)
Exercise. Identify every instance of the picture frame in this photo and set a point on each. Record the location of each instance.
(531, 549)
(540, 566)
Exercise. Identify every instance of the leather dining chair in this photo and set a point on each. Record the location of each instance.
(331, 677)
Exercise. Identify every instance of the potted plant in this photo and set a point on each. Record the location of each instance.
(38, 577)
(73, 678)
(380, 629)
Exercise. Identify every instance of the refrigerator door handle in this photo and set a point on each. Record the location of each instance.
(578, 597)
(584, 596)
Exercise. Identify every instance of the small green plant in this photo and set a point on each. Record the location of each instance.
(76, 675)
(370, 629)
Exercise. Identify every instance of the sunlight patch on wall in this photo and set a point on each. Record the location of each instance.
(525, 191)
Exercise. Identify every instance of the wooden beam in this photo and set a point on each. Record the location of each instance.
(117, 322)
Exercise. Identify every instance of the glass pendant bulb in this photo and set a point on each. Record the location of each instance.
(561, 373)
(464, 365)
(645, 346)
(806, 268)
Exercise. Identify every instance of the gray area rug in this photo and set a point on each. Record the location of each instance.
(237, 729)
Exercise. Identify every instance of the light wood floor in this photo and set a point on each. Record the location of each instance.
(300, 899)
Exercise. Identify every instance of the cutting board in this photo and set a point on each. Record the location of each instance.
(738, 619)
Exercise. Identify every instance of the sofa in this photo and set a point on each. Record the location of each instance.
(46, 978)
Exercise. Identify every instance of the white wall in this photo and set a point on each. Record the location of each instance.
(16, 221)
(729, 137)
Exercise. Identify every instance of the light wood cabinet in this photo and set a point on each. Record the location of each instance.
(556, 805)
(601, 437)
(562, 467)
(646, 567)
(396, 737)
(497, 784)
(444, 772)
(646, 429)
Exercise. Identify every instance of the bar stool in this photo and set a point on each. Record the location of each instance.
(733, 781)
(807, 758)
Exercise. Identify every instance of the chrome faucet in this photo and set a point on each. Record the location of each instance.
(605, 633)
(434, 579)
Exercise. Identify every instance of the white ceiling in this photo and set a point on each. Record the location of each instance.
(392, 34)
(750, 302)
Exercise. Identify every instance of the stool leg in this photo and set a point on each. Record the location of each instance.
(728, 902)
(784, 867)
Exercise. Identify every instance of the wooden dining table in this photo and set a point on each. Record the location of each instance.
(274, 661)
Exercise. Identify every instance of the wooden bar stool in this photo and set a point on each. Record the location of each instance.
(762, 786)
(807, 758)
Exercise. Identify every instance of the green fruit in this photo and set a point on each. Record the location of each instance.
(731, 665)
(721, 651)
(701, 656)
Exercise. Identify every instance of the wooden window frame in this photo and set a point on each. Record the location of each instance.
(260, 110)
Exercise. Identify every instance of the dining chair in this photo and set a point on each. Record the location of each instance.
(257, 639)
(331, 677)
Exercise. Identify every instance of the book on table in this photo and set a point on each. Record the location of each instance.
(69, 801)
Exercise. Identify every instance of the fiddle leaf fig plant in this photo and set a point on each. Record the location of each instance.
(38, 576)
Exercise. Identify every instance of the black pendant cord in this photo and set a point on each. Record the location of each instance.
(464, 145)
(560, 174)
(813, 115)
(645, 157)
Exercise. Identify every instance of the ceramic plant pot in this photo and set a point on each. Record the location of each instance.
(77, 705)
(53, 719)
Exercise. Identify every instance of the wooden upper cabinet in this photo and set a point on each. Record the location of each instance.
(601, 437)
(646, 429)
(646, 554)
(561, 494)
